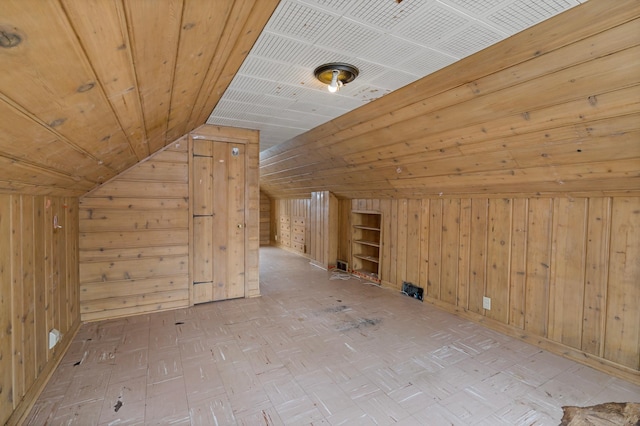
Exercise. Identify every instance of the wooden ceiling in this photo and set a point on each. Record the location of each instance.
(552, 110)
(89, 88)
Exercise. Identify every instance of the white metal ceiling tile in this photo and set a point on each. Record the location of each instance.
(385, 14)
(389, 50)
(426, 62)
(320, 109)
(368, 70)
(240, 96)
(256, 118)
(475, 7)
(276, 102)
(298, 20)
(294, 52)
(393, 80)
(360, 36)
(265, 69)
(368, 92)
(470, 40)
(521, 14)
(432, 24)
(336, 6)
(250, 84)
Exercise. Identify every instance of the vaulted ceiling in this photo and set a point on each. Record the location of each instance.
(90, 88)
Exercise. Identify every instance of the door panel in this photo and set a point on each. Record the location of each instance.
(218, 220)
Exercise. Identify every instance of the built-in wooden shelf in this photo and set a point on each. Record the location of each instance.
(366, 240)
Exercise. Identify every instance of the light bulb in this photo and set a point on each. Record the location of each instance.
(334, 85)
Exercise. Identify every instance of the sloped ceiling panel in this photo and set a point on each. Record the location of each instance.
(89, 88)
(553, 110)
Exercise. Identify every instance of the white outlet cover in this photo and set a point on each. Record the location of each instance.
(54, 338)
(486, 303)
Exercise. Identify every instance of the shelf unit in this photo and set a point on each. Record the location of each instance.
(365, 248)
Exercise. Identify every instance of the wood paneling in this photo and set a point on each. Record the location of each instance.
(265, 219)
(557, 113)
(134, 234)
(622, 332)
(322, 238)
(560, 272)
(94, 87)
(134, 230)
(38, 292)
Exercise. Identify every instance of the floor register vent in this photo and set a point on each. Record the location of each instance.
(412, 290)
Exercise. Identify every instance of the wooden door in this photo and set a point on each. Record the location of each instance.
(218, 208)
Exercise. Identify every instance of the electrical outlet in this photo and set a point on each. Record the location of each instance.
(486, 303)
(54, 337)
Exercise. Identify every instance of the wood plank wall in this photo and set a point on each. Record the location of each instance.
(289, 209)
(322, 238)
(134, 239)
(265, 219)
(38, 292)
(561, 272)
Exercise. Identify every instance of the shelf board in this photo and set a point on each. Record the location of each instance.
(368, 243)
(369, 228)
(367, 258)
(367, 275)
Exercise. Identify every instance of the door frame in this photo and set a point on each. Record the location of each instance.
(249, 138)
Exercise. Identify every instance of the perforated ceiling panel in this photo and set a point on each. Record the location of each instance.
(392, 44)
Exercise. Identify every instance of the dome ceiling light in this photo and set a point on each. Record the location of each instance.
(336, 74)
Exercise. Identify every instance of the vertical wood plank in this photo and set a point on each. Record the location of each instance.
(402, 252)
(566, 289)
(464, 253)
(73, 259)
(53, 318)
(61, 255)
(518, 267)
(622, 333)
(17, 309)
(236, 224)
(538, 260)
(435, 248)
(40, 288)
(498, 248)
(413, 241)
(449, 250)
(220, 221)
(596, 272)
(385, 267)
(202, 185)
(202, 249)
(393, 241)
(6, 324)
(252, 218)
(478, 253)
(27, 298)
(424, 242)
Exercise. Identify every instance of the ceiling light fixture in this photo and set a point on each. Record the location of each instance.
(336, 74)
